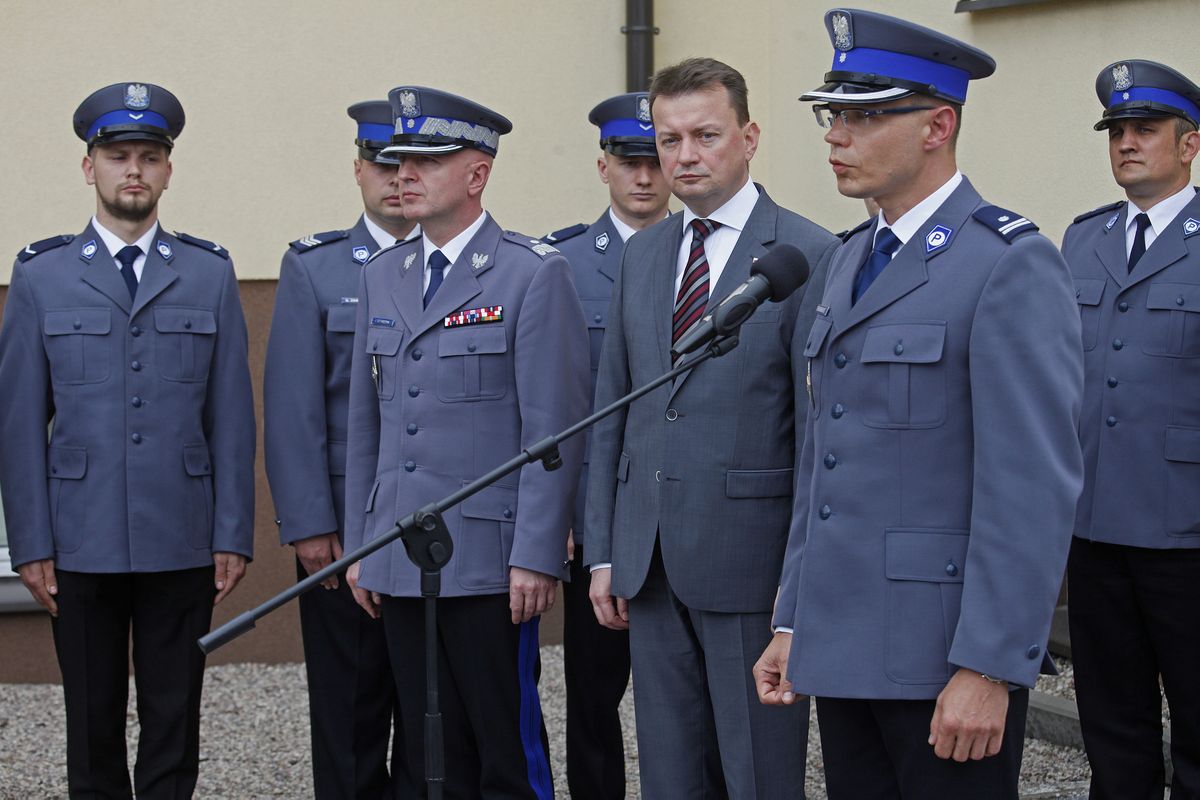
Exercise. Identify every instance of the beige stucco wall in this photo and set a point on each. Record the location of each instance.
(266, 154)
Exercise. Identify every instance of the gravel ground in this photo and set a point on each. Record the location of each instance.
(254, 739)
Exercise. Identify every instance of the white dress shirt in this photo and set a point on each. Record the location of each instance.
(451, 249)
(385, 239)
(907, 226)
(115, 244)
(1161, 215)
(623, 230)
(719, 244)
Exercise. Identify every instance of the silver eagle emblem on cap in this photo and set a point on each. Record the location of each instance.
(137, 96)
(643, 109)
(843, 35)
(410, 106)
(1122, 77)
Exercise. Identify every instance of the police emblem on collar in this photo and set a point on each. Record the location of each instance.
(1112, 220)
(361, 254)
(602, 242)
(475, 316)
(843, 33)
(164, 249)
(408, 262)
(410, 104)
(88, 250)
(643, 109)
(1122, 77)
(1191, 227)
(478, 260)
(137, 96)
(937, 238)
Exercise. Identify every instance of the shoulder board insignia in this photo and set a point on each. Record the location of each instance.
(45, 244)
(1095, 212)
(565, 233)
(1008, 224)
(846, 235)
(203, 244)
(318, 239)
(536, 245)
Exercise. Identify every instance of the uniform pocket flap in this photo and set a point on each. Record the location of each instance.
(1182, 444)
(937, 555)
(173, 319)
(910, 343)
(471, 341)
(341, 319)
(77, 320)
(383, 342)
(196, 460)
(623, 468)
(497, 503)
(741, 483)
(1174, 296)
(595, 313)
(816, 336)
(66, 462)
(337, 458)
(1088, 291)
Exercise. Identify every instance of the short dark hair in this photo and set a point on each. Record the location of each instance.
(1183, 127)
(699, 74)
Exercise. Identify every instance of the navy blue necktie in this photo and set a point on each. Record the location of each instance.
(1139, 239)
(886, 244)
(437, 266)
(127, 255)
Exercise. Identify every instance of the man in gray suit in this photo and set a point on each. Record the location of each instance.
(1134, 569)
(306, 391)
(138, 512)
(690, 488)
(596, 658)
(940, 466)
(469, 346)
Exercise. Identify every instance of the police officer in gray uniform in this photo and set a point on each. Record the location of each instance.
(1134, 570)
(129, 342)
(940, 467)
(469, 345)
(306, 392)
(597, 658)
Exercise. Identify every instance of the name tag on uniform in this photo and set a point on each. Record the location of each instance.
(383, 322)
(475, 316)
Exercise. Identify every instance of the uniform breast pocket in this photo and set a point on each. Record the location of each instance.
(906, 379)
(473, 363)
(924, 568)
(1173, 320)
(812, 348)
(1088, 293)
(339, 338)
(184, 342)
(383, 345)
(595, 312)
(77, 344)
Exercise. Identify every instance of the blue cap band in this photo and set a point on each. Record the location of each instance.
(948, 80)
(374, 132)
(126, 117)
(625, 128)
(1152, 95)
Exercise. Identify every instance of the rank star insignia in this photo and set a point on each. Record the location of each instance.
(475, 316)
(1191, 227)
(843, 36)
(361, 254)
(479, 260)
(137, 96)
(408, 262)
(602, 242)
(1122, 77)
(937, 238)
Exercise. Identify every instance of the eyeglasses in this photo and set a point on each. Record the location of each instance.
(858, 118)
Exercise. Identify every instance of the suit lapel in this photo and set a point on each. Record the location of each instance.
(663, 262)
(157, 272)
(1111, 249)
(1168, 247)
(99, 270)
(407, 292)
(462, 283)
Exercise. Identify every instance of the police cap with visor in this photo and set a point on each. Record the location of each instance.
(1136, 88)
(129, 112)
(375, 126)
(431, 121)
(625, 125)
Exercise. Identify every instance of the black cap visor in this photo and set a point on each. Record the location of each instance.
(131, 133)
(629, 146)
(1139, 109)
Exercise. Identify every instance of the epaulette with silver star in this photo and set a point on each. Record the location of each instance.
(203, 244)
(1095, 212)
(38, 248)
(317, 239)
(845, 235)
(536, 245)
(565, 233)
(1008, 224)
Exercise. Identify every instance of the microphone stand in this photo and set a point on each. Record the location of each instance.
(429, 546)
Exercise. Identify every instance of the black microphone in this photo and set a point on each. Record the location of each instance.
(783, 270)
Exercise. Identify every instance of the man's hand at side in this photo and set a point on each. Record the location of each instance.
(611, 612)
(318, 552)
(530, 593)
(770, 672)
(230, 569)
(38, 577)
(968, 721)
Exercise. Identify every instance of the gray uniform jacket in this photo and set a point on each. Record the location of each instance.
(306, 383)
(705, 465)
(150, 462)
(1140, 426)
(941, 467)
(441, 395)
(595, 257)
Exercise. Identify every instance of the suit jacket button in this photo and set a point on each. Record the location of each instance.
(136, 438)
(837, 411)
(135, 331)
(951, 568)
(136, 402)
(1122, 306)
(1111, 422)
(507, 512)
(1118, 344)
(830, 461)
(187, 323)
(414, 390)
(409, 466)
(412, 428)
(1112, 383)
(136, 366)
(76, 324)
(672, 415)
(471, 347)
(826, 512)
(1033, 652)
(416, 354)
(839, 360)
(1179, 300)
(899, 348)
(597, 318)
(54, 470)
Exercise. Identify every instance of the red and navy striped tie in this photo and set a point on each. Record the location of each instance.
(693, 289)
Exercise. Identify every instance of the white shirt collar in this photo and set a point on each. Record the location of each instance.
(453, 248)
(115, 243)
(1164, 212)
(734, 213)
(623, 230)
(912, 221)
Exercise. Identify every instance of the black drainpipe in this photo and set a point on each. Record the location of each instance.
(639, 47)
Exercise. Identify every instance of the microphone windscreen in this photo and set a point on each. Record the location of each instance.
(785, 269)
